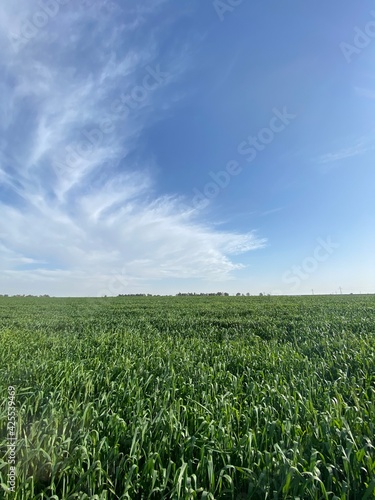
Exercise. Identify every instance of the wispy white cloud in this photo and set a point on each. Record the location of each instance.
(271, 211)
(145, 240)
(359, 148)
(77, 224)
(367, 93)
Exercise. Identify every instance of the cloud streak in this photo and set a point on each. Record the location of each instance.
(67, 229)
(358, 149)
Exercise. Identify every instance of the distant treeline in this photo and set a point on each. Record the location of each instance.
(21, 295)
(211, 294)
(180, 294)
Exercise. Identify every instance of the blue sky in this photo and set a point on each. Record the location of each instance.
(161, 146)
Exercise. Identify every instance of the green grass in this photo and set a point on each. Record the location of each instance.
(192, 397)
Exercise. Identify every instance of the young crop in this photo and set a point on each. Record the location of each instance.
(189, 397)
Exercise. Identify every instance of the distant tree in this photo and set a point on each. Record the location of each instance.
(238, 294)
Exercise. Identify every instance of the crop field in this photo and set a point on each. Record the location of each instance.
(188, 397)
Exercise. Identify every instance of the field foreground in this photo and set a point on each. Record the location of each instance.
(189, 397)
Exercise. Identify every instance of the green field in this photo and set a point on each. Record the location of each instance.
(190, 397)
